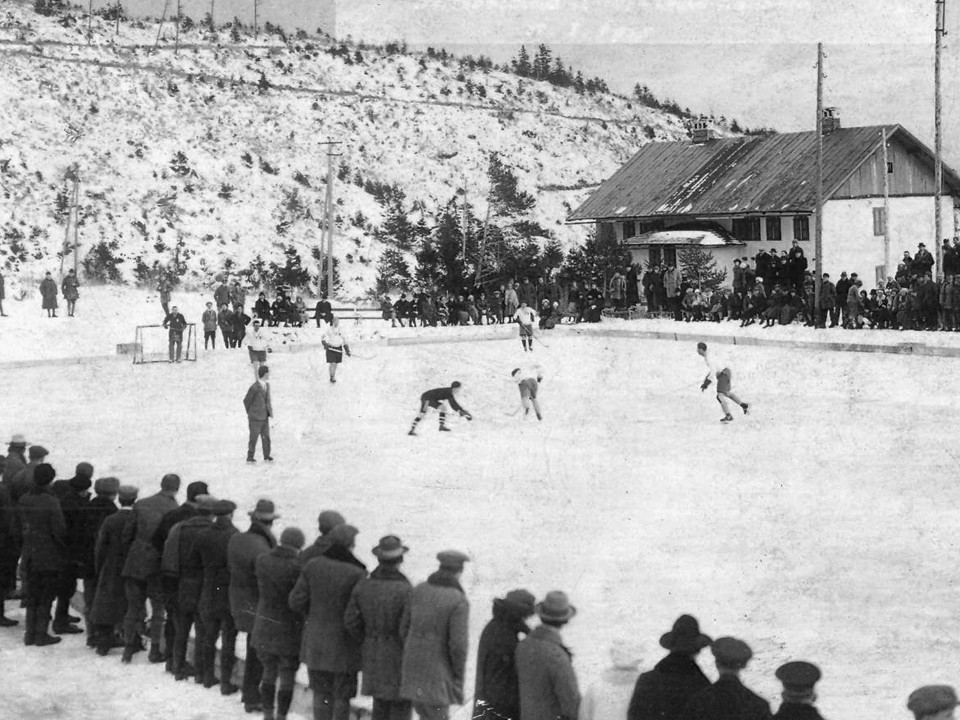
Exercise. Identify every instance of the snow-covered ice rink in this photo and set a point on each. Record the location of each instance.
(821, 526)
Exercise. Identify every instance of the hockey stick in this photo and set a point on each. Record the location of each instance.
(535, 337)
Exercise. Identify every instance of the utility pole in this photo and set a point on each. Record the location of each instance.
(463, 229)
(90, 22)
(256, 5)
(483, 243)
(326, 256)
(818, 235)
(886, 205)
(163, 17)
(176, 25)
(938, 131)
(213, 23)
(116, 17)
(71, 239)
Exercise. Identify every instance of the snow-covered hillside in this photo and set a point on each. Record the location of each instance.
(212, 156)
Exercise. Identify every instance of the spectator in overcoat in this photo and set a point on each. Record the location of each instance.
(327, 521)
(144, 581)
(434, 629)
(209, 320)
(548, 685)
(277, 629)
(74, 498)
(101, 506)
(2, 295)
(70, 289)
(242, 554)
(16, 460)
(44, 553)
(22, 482)
(497, 692)
(373, 618)
(9, 551)
(48, 291)
(226, 322)
(110, 555)
(221, 296)
(331, 654)
(727, 698)
(662, 693)
(214, 605)
(922, 261)
(528, 293)
(935, 702)
(798, 678)
(828, 302)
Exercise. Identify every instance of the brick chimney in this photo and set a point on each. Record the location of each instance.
(831, 119)
(700, 131)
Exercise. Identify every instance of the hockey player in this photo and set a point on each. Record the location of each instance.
(528, 383)
(257, 347)
(335, 346)
(526, 317)
(721, 373)
(439, 398)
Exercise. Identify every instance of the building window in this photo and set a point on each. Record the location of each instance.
(656, 256)
(879, 222)
(629, 229)
(773, 229)
(801, 227)
(747, 229)
(889, 168)
(670, 256)
(649, 226)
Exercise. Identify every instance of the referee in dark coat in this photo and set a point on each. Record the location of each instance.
(727, 698)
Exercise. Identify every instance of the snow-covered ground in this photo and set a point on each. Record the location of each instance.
(818, 527)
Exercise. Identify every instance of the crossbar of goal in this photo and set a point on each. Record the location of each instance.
(152, 344)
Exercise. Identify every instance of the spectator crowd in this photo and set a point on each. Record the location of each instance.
(404, 644)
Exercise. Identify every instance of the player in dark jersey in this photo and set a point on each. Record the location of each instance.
(439, 399)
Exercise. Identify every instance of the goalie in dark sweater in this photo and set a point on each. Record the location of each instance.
(439, 399)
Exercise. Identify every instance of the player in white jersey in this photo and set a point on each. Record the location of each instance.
(335, 347)
(526, 317)
(528, 383)
(721, 373)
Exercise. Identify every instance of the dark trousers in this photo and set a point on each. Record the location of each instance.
(227, 338)
(176, 347)
(183, 621)
(332, 692)
(432, 712)
(219, 625)
(211, 337)
(259, 429)
(41, 591)
(67, 589)
(138, 592)
(276, 684)
(252, 674)
(391, 709)
(165, 304)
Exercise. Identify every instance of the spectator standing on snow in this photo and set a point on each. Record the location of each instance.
(618, 289)
(100, 507)
(327, 521)
(662, 693)
(548, 685)
(922, 261)
(242, 553)
(110, 556)
(527, 293)
(238, 297)
(221, 296)
(609, 697)
(2, 295)
(164, 286)
(225, 321)
(176, 324)
(74, 497)
(9, 552)
(828, 302)
(511, 300)
(798, 678)
(261, 308)
(373, 616)
(434, 629)
(209, 319)
(240, 322)
(22, 482)
(70, 292)
(727, 697)
(497, 692)
(48, 291)
(277, 629)
(259, 411)
(671, 288)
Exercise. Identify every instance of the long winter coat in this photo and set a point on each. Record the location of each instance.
(662, 693)
(321, 596)
(181, 559)
(95, 513)
(48, 290)
(110, 601)
(528, 294)
(497, 688)
(671, 282)
(277, 629)
(317, 549)
(69, 288)
(212, 544)
(43, 527)
(373, 617)
(797, 711)
(242, 553)
(9, 541)
(548, 685)
(434, 629)
(74, 509)
(828, 295)
(727, 699)
(143, 560)
(15, 463)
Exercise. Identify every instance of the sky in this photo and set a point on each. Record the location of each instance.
(749, 59)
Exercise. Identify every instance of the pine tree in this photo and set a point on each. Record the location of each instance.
(508, 199)
(397, 226)
(521, 66)
(393, 271)
(699, 264)
(541, 65)
(579, 84)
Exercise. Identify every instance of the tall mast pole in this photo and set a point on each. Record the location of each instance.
(938, 132)
(818, 235)
(886, 205)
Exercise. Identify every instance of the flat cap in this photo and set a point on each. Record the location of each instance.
(452, 559)
(37, 451)
(329, 519)
(107, 486)
(196, 489)
(224, 507)
(798, 675)
(293, 537)
(85, 469)
(128, 492)
(206, 503)
(342, 534)
(931, 699)
(731, 652)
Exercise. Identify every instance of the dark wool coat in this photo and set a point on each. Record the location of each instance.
(182, 558)
(110, 601)
(22, 481)
(43, 528)
(319, 547)
(277, 629)
(143, 560)
(184, 512)
(16, 461)
(828, 295)
(74, 507)
(727, 699)
(95, 513)
(321, 596)
(48, 290)
(797, 711)
(9, 542)
(497, 688)
(662, 693)
(373, 617)
(435, 641)
(212, 544)
(242, 554)
(548, 685)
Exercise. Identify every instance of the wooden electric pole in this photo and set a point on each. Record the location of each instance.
(886, 206)
(938, 132)
(326, 255)
(71, 243)
(818, 234)
(176, 25)
(256, 6)
(163, 17)
(463, 228)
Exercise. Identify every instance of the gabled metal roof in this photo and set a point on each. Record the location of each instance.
(773, 173)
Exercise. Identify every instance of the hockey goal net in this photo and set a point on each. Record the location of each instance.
(152, 344)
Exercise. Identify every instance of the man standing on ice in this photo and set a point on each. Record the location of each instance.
(528, 383)
(526, 317)
(439, 398)
(335, 346)
(177, 324)
(721, 373)
(259, 411)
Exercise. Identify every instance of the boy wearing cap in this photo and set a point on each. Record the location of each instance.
(662, 693)
(438, 399)
(721, 373)
(101, 506)
(110, 555)
(259, 411)
(435, 640)
(548, 685)
(209, 320)
(242, 553)
(497, 691)
(727, 697)
(798, 680)
(74, 496)
(932, 702)
(331, 654)
(373, 618)
(276, 628)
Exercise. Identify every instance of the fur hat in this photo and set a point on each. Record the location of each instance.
(107, 486)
